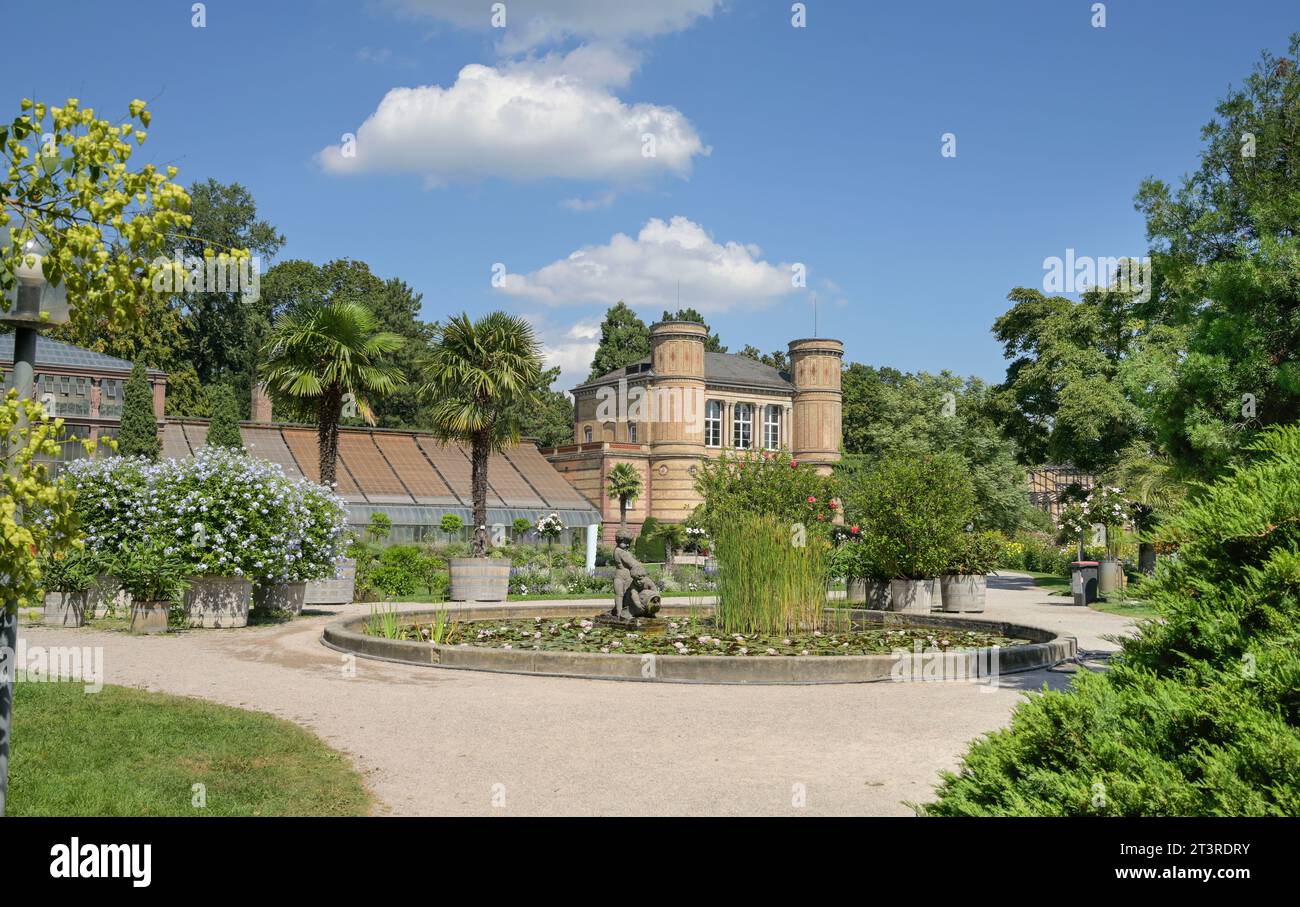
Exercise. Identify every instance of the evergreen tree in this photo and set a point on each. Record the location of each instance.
(712, 343)
(624, 339)
(223, 430)
(138, 436)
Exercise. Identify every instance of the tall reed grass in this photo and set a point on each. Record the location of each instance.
(767, 582)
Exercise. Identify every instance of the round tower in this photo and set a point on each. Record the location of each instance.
(676, 416)
(818, 401)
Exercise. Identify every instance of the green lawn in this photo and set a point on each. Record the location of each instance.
(1060, 585)
(124, 752)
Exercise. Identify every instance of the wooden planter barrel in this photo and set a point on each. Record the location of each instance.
(280, 597)
(218, 602)
(149, 617)
(65, 609)
(338, 591)
(964, 592)
(911, 595)
(873, 594)
(479, 579)
(1110, 577)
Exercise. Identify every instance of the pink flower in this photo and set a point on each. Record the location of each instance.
(794, 463)
(854, 530)
(811, 499)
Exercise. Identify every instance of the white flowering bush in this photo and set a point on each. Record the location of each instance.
(222, 512)
(550, 527)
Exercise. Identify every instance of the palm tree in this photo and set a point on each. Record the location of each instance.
(624, 484)
(319, 356)
(482, 378)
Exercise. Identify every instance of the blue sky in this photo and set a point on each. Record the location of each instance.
(774, 146)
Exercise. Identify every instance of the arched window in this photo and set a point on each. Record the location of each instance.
(771, 427)
(586, 434)
(631, 432)
(713, 423)
(742, 430)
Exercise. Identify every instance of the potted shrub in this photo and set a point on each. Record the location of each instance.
(864, 581)
(68, 577)
(155, 578)
(228, 518)
(1106, 505)
(482, 378)
(914, 510)
(965, 582)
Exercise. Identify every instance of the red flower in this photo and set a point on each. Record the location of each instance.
(854, 530)
(794, 463)
(830, 504)
(811, 499)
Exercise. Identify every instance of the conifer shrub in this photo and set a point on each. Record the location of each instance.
(1199, 714)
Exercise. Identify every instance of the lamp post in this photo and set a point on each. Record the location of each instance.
(34, 304)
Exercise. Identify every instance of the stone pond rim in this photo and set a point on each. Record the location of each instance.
(1044, 649)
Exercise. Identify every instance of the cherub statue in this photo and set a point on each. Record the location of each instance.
(635, 593)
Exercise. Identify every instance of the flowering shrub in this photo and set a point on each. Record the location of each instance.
(221, 512)
(769, 484)
(550, 527)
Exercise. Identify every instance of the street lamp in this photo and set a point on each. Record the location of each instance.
(34, 304)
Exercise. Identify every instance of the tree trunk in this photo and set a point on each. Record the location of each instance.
(327, 434)
(622, 513)
(478, 486)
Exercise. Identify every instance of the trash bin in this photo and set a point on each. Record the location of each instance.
(1083, 581)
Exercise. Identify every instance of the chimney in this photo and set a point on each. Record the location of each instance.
(260, 410)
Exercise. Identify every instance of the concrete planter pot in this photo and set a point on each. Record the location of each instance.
(855, 591)
(964, 592)
(936, 594)
(1110, 577)
(280, 597)
(149, 617)
(218, 602)
(65, 609)
(479, 579)
(338, 591)
(910, 595)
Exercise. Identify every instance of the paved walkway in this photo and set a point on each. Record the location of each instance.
(435, 741)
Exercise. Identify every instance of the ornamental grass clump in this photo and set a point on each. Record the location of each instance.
(771, 576)
(1199, 713)
(220, 512)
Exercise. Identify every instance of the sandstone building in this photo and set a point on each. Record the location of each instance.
(666, 413)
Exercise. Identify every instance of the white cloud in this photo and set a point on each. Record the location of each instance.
(532, 23)
(646, 271)
(525, 120)
(572, 348)
(604, 200)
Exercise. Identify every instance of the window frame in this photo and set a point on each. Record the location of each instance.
(742, 429)
(713, 424)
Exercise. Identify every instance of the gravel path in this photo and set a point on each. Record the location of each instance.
(439, 742)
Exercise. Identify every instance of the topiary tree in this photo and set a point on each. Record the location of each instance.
(223, 430)
(138, 436)
(1198, 714)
